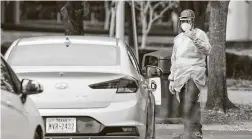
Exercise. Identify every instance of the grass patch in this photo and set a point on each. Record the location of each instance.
(239, 84)
(243, 114)
(246, 52)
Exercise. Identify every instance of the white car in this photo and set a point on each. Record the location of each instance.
(20, 119)
(93, 86)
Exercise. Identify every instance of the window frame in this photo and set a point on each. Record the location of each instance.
(15, 82)
(131, 54)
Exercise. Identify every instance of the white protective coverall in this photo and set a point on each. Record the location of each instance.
(189, 59)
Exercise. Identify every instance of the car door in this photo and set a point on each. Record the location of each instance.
(143, 84)
(143, 81)
(13, 116)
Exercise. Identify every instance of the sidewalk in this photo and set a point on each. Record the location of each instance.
(246, 126)
(209, 131)
(207, 134)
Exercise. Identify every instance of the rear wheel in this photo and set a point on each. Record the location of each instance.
(150, 128)
(37, 136)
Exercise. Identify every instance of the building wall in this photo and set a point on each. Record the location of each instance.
(239, 21)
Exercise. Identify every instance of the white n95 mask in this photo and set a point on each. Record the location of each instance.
(186, 26)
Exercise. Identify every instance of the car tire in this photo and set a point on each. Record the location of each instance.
(150, 127)
(37, 136)
(154, 125)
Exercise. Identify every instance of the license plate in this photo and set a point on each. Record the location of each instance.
(60, 125)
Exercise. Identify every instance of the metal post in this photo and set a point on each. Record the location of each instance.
(135, 29)
(120, 20)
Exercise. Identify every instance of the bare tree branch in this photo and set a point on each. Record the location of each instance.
(151, 11)
(162, 13)
(149, 26)
(147, 9)
(137, 5)
(147, 6)
(114, 4)
(142, 6)
(156, 5)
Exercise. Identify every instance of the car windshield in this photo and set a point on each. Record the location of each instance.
(60, 55)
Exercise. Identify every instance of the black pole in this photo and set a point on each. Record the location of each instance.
(130, 25)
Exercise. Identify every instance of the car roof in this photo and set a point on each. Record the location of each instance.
(98, 40)
(161, 54)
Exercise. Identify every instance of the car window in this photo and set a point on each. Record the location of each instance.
(133, 59)
(15, 79)
(151, 60)
(6, 80)
(60, 55)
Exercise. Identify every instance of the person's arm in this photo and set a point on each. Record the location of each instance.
(202, 42)
(173, 59)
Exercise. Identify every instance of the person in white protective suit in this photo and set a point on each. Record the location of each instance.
(187, 77)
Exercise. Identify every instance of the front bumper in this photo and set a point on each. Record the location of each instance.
(128, 113)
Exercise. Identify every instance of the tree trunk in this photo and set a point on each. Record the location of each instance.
(93, 19)
(17, 12)
(144, 30)
(112, 22)
(174, 18)
(144, 37)
(217, 97)
(72, 14)
(107, 15)
(3, 5)
(9, 11)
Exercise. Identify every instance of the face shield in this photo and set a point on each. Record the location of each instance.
(186, 24)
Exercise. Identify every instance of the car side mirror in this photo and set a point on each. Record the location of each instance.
(153, 71)
(30, 87)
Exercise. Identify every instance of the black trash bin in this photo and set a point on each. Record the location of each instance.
(168, 111)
